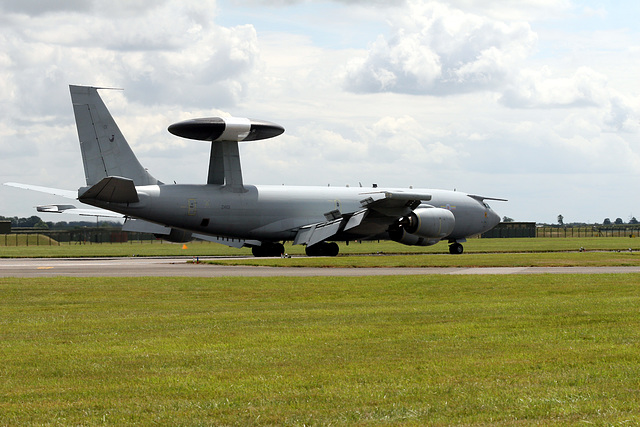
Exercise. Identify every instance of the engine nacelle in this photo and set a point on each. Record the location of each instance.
(401, 236)
(176, 236)
(431, 223)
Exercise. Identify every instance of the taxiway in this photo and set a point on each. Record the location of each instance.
(181, 267)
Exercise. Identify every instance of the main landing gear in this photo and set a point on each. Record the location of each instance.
(268, 249)
(323, 249)
(455, 248)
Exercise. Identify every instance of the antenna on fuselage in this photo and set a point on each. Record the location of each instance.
(224, 134)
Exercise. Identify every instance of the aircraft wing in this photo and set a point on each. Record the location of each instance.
(142, 226)
(383, 206)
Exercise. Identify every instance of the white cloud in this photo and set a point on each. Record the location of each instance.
(538, 109)
(436, 50)
(172, 48)
(537, 89)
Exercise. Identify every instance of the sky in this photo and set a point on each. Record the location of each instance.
(536, 101)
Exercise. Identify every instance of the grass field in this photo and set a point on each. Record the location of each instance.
(467, 350)
(523, 245)
(546, 259)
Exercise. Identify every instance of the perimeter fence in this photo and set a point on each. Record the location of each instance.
(593, 231)
(85, 236)
(97, 236)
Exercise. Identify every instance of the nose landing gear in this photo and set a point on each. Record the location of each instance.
(456, 248)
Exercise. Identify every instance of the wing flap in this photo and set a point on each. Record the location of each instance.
(356, 219)
(315, 233)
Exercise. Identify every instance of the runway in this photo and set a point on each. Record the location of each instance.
(180, 267)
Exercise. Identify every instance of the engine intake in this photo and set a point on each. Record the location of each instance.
(431, 223)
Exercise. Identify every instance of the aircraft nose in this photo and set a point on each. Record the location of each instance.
(493, 219)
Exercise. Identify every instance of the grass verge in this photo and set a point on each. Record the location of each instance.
(547, 259)
(199, 248)
(473, 350)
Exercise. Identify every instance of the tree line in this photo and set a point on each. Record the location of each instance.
(37, 222)
(606, 221)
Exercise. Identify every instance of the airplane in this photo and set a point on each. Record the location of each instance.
(228, 211)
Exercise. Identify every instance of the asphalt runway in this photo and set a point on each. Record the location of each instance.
(179, 266)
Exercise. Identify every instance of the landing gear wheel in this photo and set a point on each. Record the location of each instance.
(278, 249)
(332, 249)
(323, 249)
(456, 249)
(258, 251)
(268, 250)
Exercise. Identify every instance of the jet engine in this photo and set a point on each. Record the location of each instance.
(176, 236)
(401, 236)
(431, 223)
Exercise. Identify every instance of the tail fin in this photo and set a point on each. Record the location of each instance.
(105, 151)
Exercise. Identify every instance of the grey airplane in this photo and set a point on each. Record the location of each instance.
(228, 211)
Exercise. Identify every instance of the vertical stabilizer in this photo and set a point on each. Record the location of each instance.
(105, 151)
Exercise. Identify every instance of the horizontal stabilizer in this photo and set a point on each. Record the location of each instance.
(71, 209)
(54, 208)
(112, 189)
(55, 191)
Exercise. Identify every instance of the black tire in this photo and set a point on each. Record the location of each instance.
(313, 250)
(278, 249)
(323, 249)
(332, 249)
(268, 250)
(456, 249)
(258, 251)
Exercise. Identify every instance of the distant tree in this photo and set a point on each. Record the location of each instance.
(560, 220)
(606, 221)
(32, 221)
(36, 222)
(633, 220)
(507, 219)
(41, 224)
(619, 221)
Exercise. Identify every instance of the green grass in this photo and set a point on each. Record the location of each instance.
(547, 259)
(18, 240)
(212, 249)
(133, 248)
(442, 350)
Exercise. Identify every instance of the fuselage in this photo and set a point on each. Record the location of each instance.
(276, 213)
